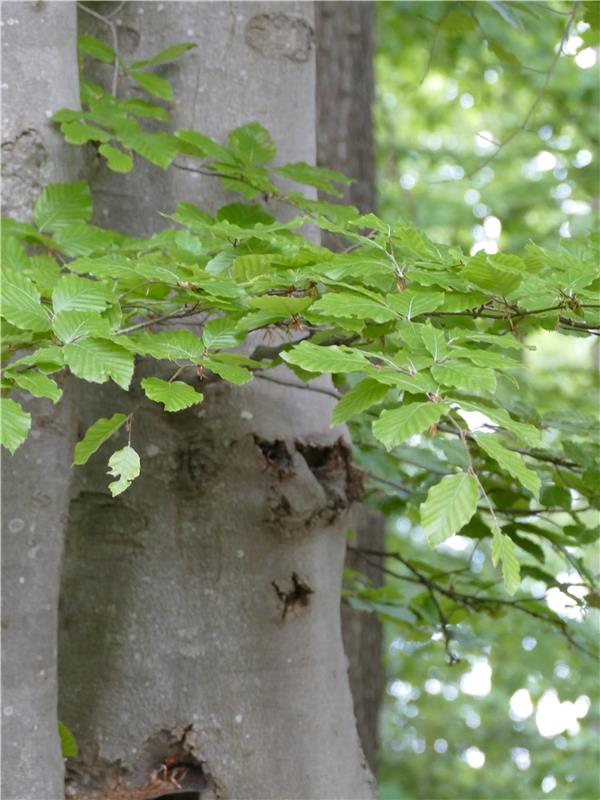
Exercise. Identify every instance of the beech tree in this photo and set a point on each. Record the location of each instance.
(173, 641)
(176, 288)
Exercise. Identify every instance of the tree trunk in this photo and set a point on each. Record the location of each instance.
(345, 142)
(345, 96)
(200, 611)
(39, 73)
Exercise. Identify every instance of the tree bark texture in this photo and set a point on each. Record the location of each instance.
(345, 96)
(362, 634)
(39, 74)
(200, 621)
(345, 142)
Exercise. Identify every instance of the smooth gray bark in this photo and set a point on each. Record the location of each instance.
(174, 640)
(39, 74)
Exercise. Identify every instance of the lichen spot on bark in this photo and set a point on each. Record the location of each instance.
(278, 36)
(23, 160)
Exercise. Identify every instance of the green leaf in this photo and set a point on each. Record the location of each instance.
(68, 745)
(497, 280)
(314, 358)
(450, 504)
(283, 306)
(44, 271)
(116, 159)
(13, 253)
(47, 359)
(220, 263)
(501, 52)
(159, 148)
(14, 424)
(219, 334)
(463, 301)
(522, 430)
(153, 84)
(204, 145)
(484, 358)
(512, 462)
(458, 22)
(419, 383)
(559, 496)
(362, 396)
(227, 369)
(72, 325)
(414, 239)
(252, 144)
(143, 108)
(124, 465)
(319, 177)
(168, 54)
(81, 239)
(411, 303)
(90, 46)
(61, 204)
(96, 435)
(461, 376)
(347, 304)
(434, 341)
(174, 395)
(503, 549)
(393, 427)
(77, 132)
(20, 302)
(72, 293)
(172, 345)
(37, 384)
(97, 360)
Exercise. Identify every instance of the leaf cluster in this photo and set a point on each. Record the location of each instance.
(425, 342)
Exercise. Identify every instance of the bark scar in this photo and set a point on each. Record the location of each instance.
(277, 36)
(294, 598)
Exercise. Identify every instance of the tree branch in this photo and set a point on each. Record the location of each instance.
(470, 601)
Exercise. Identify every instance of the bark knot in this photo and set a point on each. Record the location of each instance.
(310, 483)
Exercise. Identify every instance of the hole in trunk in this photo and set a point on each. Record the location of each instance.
(332, 467)
(277, 456)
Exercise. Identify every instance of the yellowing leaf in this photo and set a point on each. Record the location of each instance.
(124, 465)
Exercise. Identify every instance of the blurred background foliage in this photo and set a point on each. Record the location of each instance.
(486, 124)
(455, 80)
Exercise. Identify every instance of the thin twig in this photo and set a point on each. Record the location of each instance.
(206, 172)
(113, 30)
(149, 322)
(538, 99)
(397, 486)
(469, 601)
(291, 384)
